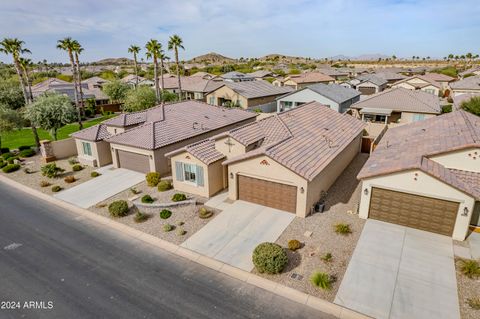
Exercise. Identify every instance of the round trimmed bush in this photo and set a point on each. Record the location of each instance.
(95, 174)
(77, 167)
(27, 153)
(178, 197)
(164, 186)
(165, 214)
(3, 164)
(294, 244)
(118, 208)
(204, 213)
(11, 160)
(147, 199)
(7, 155)
(56, 189)
(152, 178)
(167, 228)
(24, 147)
(141, 217)
(11, 168)
(269, 258)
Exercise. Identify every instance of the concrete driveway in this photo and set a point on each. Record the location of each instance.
(111, 182)
(232, 235)
(400, 272)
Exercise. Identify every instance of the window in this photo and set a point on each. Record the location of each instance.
(190, 173)
(418, 117)
(87, 149)
(431, 91)
(287, 105)
(212, 100)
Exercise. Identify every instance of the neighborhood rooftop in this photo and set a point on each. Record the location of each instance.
(470, 83)
(255, 89)
(334, 92)
(311, 77)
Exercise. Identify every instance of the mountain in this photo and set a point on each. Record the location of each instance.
(113, 61)
(212, 58)
(362, 57)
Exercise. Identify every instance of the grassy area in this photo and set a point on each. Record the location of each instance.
(24, 136)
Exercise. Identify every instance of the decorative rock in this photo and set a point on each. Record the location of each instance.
(308, 233)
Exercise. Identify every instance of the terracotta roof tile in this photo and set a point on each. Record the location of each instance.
(94, 133)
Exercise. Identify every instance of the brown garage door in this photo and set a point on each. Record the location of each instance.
(271, 194)
(133, 161)
(366, 90)
(425, 213)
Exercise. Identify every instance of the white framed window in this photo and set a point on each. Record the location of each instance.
(189, 173)
(418, 117)
(87, 148)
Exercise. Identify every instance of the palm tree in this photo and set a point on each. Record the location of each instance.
(77, 50)
(162, 58)
(135, 50)
(69, 45)
(174, 44)
(153, 51)
(14, 47)
(26, 64)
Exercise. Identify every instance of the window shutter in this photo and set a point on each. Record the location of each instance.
(179, 171)
(199, 175)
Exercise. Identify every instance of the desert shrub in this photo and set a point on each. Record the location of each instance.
(474, 303)
(294, 244)
(447, 108)
(27, 153)
(27, 170)
(343, 229)
(11, 168)
(470, 268)
(118, 208)
(164, 186)
(70, 179)
(141, 217)
(95, 174)
(178, 197)
(328, 257)
(147, 199)
(77, 167)
(72, 161)
(180, 223)
(3, 163)
(51, 170)
(181, 232)
(269, 258)
(152, 178)
(24, 147)
(4, 150)
(11, 160)
(204, 213)
(165, 214)
(7, 155)
(321, 280)
(167, 228)
(44, 184)
(56, 188)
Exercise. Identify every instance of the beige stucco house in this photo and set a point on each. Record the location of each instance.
(467, 85)
(140, 140)
(299, 81)
(426, 175)
(285, 161)
(421, 83)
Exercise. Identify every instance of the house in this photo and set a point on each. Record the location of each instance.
(205, 75)
(390, 77)
(298, 81)
(369, 84)
(235, 76)
(470, 72)
(285, 161)
(397, 105)
(246, 95)
(426, 175)
(443, 79)
(193, 87)
(420, 83)
(66, 88)
(138, 141)
(130, 79)
(337, 74)
(261, 74)
(334, 96)
(460, 98)
(95, 82)
(467, 85)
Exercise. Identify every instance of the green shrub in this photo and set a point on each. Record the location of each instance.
(44, 184)
(3, 163)
(95, 174)
(134, 191)
(152, 178)
(7, 155)
(180, 223)
(147, 199)
(470, 268)
(118, 208)
(165, 214)
(328, 257)
(178, 197)
(164, 186)
(343, 229)
(11, 160)
(474, 303)
(167, 228)
(24, 147)
(294, 244)
(141, 217)
(204, 213)
(11, 168)
(270, 258)
(4, 150)
(51, 170)
(56, 188)
(72, 161)
(27, 153)
(181, 232)
(321, 280)
(447, 108)
(77, 167)
(70, 179)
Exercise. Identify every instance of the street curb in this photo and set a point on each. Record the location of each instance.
(260, 282)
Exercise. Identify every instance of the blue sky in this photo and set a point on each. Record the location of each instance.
(234, 28)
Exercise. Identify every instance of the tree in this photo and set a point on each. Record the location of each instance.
(51, 111)
(15, 48)
(162, 58)
(135, 50)
(140, 99)
(9, 120)
(69, 45)
(77, 49)
(11, 94)
(174, 44)
(26, 64)
(153, 51)
(116, 90)
(472, 105)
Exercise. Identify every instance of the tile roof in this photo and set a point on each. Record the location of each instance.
(234, 75)
(402, 100)
(45, 85)
(171, 123)
(410, 146)
(260, 74)
(334, 92)
(310, 77)
(372, 78)
(205, 151)
(427, 79)
(192, 84)
(256, 89)
(390, 76)
(94, 133)
(460, 98)
(438, 77)
(470, 83)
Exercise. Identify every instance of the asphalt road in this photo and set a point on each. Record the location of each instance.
(80, 270)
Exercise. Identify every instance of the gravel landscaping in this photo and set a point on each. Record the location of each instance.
(342, 197)
(34, 179)
(467, 289)
(154, 225)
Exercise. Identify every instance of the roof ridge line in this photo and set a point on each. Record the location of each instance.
(416, 98)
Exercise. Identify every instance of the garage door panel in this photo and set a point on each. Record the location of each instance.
(425, 213)
(133, 161)
(267, 193)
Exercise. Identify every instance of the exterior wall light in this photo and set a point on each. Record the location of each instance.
(365, 191)
(465, 211)
(231, 175)
(302, 190)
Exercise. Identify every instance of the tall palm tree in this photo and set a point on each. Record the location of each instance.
(26, 64)
(174, 44)
(162, 58)
(135, 50)
(69, 45)
(153, 51)
(77, 50)
(15, 47)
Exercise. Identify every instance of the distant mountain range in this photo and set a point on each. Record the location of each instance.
(362, 57)
(212, 58)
